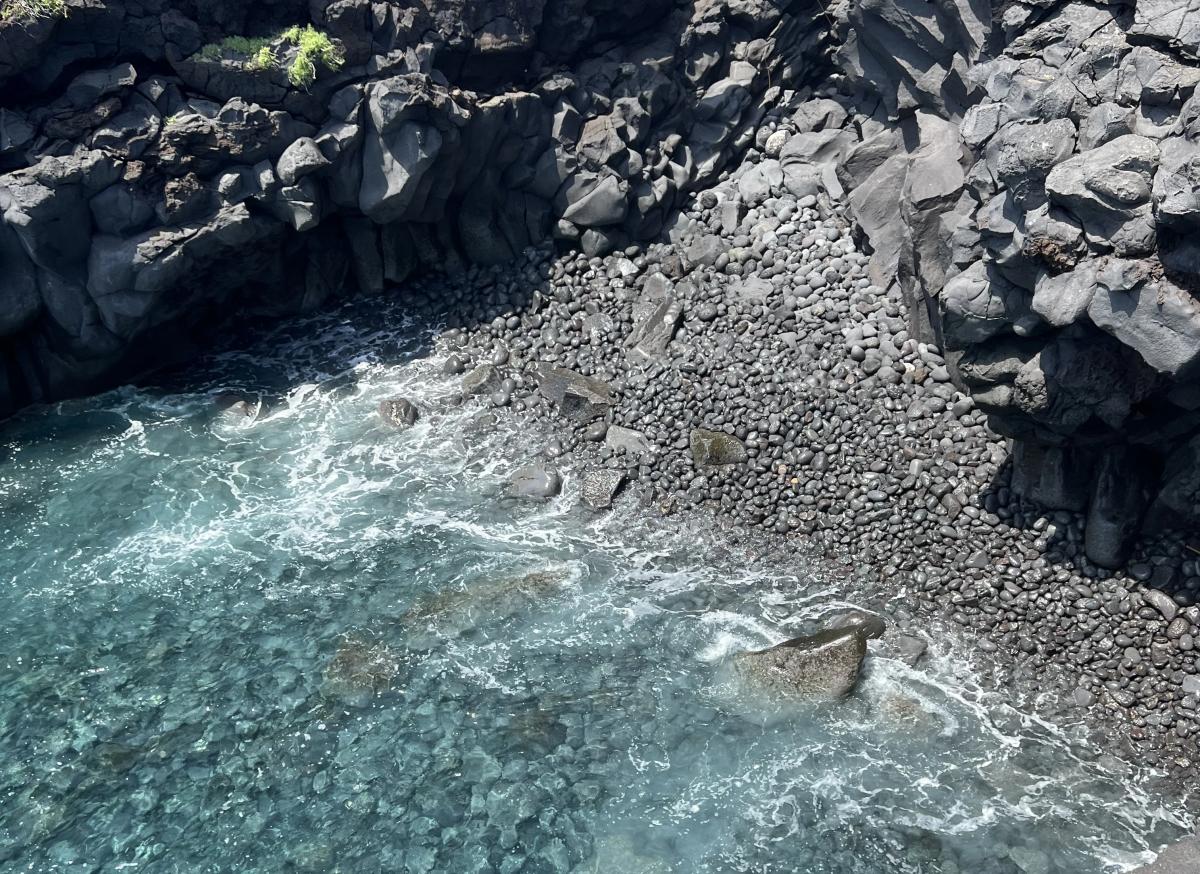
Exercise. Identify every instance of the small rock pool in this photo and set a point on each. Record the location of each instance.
(306, 642)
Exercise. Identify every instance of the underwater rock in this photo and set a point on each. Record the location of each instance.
(359, 670)
(908, 649)
(823, 666)
(451, 612)
(615, 853)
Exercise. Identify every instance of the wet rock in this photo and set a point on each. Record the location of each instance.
(484, 379)
(821, 667)
(872, 626)
(909, 649)
(534, 482)
(399, 413)
(1162, 602)
(235, 408)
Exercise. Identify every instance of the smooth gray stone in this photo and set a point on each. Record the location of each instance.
(534, 482)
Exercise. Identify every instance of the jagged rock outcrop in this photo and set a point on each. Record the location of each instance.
(160, 181)
(1052, 238)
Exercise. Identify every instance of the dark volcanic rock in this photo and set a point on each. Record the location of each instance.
(399, 413)
(577, 397)
(223, 181)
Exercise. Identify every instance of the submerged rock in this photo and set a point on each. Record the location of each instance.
(907, 649)
(821, 667)
(400, 413)
(359, 670)
(451, 612)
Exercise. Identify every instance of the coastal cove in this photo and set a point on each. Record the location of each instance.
(302, 639)
(582, 437)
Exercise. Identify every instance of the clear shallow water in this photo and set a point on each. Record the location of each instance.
(309, 643)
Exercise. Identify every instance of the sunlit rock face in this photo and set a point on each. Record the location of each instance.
(1054, 252)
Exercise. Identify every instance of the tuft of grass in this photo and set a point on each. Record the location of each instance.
(25, 11)
(234, 47)
(313, 48)
(263, 59)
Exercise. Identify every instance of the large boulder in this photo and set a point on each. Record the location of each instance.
(821, 667)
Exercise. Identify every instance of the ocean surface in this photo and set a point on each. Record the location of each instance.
(301, 641)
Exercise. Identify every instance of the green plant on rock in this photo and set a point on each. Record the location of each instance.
(312, 47)
(247, 47)
(261, 53)
(263, 59)
(24, 11)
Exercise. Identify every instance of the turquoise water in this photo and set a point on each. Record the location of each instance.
(304, 642)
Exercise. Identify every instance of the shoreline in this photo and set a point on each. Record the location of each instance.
(923, 496)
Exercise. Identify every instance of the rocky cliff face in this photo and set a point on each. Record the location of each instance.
(162, 179)
(1033, 181)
